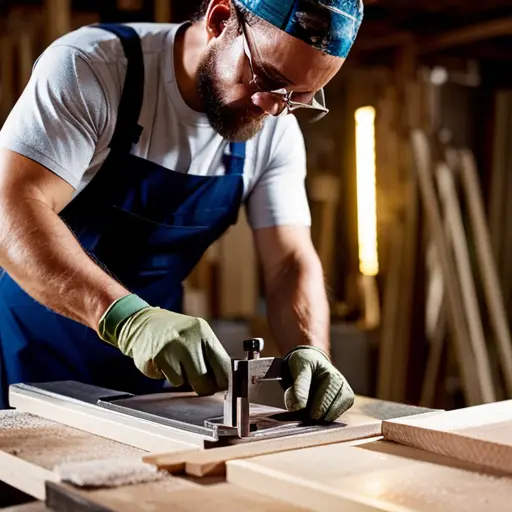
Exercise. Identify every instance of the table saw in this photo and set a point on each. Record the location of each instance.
(231, 452)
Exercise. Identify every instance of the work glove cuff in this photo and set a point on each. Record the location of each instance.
(117, 313)
(302, 347)
(286, 377)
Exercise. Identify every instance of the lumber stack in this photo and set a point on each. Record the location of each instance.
(434, 461)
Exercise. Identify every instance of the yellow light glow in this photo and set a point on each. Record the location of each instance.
(366, 191)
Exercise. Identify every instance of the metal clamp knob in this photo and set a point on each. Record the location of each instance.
(253, 347)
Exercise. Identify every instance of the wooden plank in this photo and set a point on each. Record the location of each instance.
(362, 421)
(376, 476)
(213, 462)
(498, 180)
(31, 446)
(36, 506)
(391, 314)
(421, 151)
(481, 434)
(491, 284)
(108, 424)
(176, 494)
(457, 236)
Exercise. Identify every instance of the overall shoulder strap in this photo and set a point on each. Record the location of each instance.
(234, 161)
(127, 131)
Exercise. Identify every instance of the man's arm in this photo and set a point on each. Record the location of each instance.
(298, 308)
(39, 251)
(298, 313)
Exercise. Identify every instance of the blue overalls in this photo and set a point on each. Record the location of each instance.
(146, 225)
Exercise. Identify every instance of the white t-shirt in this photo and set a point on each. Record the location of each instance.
(65, 119)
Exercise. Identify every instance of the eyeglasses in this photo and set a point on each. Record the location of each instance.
(281, 97)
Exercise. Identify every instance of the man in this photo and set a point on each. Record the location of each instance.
(129, 152)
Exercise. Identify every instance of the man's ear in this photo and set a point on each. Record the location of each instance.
(217, 16)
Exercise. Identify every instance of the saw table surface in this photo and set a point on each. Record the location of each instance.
(172, 421)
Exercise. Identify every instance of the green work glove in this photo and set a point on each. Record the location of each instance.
(181, 348)
(315, 385)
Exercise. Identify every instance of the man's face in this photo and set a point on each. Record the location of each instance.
(233, 101)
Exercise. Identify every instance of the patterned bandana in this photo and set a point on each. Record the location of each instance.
(328, 25)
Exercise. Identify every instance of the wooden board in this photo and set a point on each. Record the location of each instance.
(36, 506)
(481, 434)
(362, 421)
(378, 476)
(30, 447)
(176, 494)
(213, 462)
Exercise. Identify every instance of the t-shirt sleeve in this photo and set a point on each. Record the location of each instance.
(60, 117)
(279, 197)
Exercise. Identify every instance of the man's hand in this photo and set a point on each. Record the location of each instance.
(317, 386)
(181, 348)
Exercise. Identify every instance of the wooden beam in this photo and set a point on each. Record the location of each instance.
(425, 45)
(467, 35)
(480, 435)
(367, 44)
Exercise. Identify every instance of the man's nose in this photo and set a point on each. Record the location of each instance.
(270, 103)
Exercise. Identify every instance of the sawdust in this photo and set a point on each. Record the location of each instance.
(47, 443)
(109, 473)
(12, 419)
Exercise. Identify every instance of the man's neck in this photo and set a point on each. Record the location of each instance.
(188, 49)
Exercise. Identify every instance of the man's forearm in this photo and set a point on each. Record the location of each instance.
(298, 308)
(41, 254)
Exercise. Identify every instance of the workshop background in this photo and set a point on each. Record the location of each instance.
(410, 186)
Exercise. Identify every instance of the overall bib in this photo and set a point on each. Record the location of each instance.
(146, 225)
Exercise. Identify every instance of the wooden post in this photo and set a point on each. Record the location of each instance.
(7, 84)
(58, 18)
(238, 283)
(323, 193)
(26, 58)
(163, 11)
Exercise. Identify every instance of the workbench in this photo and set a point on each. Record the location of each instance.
(365, 473)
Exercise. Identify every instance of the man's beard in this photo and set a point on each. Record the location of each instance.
(232, 122)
